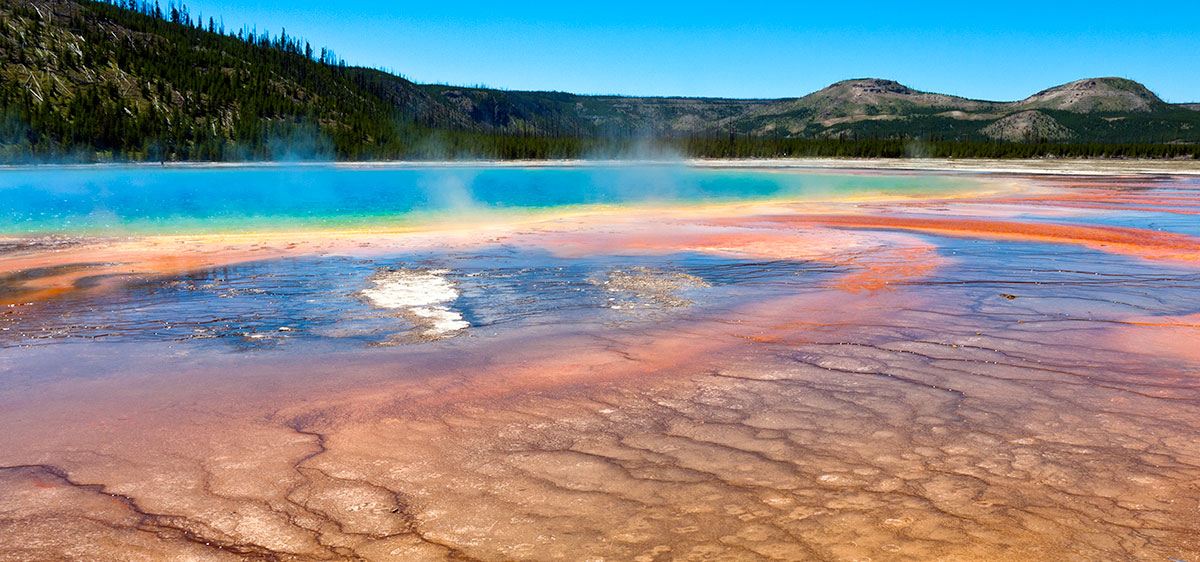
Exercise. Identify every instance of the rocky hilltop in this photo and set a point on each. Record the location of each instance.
(1096, 95)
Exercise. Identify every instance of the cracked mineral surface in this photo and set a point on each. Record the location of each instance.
(1010, 377)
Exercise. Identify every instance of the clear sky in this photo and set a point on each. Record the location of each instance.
(995, 50)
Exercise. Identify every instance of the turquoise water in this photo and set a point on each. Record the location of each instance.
(92, 200)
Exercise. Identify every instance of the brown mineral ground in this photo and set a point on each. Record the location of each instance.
(920, 402)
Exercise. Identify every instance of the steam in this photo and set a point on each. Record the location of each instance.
(916, 149)
(640, 149)
(450, 189)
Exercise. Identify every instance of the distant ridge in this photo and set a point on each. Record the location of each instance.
(94, 78)
(1096, 95)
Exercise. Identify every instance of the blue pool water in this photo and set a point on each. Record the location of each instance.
(224, 199)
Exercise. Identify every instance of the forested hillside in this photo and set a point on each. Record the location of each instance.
(86, 80)
(143, 84)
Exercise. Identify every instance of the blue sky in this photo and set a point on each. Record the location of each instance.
(999, 51)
